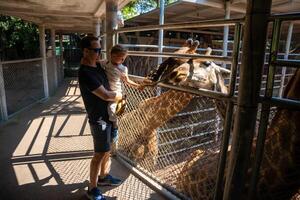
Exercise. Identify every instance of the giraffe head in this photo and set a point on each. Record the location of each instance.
(196, 73)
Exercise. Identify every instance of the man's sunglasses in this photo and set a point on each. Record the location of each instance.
(96, 50)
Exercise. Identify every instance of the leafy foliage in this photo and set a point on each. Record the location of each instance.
(137, 7)
(18, 39)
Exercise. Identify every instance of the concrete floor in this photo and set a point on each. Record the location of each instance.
(45, 153)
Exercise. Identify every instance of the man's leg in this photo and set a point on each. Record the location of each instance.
(101, 133)
(94, 168)
(105, 179)
(105, 165)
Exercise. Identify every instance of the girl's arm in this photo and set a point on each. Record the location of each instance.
(129, 82)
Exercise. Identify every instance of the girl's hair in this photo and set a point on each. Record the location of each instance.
(118, 49)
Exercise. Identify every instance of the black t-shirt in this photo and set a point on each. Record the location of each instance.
(90, 78)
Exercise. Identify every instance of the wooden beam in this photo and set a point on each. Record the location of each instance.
(216, 5)
(41, 13)
(100, 9)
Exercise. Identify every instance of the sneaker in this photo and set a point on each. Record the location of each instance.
(109, 180)
(94, 194)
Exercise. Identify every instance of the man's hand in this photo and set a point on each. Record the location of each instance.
(119, 96)
(107, 95)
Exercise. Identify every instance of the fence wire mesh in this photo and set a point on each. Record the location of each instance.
(23, 83)
(60, 69)
(51, 67)
(169, 152)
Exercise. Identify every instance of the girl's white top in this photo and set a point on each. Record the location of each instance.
(113, 74)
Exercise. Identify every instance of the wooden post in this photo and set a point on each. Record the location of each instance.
(254, 43)
(111, 24)
(43, 55)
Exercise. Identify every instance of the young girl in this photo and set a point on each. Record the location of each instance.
(116, 72)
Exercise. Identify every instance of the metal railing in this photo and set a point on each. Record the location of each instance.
(229, 98)
(267, 100)
(268, 97)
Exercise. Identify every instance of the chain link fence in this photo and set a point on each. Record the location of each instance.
(163, 152)
(184, 141)
(22, 82)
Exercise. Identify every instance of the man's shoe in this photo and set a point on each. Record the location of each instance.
(94, 194)
(109, 180)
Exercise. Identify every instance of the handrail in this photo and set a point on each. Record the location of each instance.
(286, 16)
(167, 54)
(286, 63)
(195, 24)
(199, 92)
(20, 61)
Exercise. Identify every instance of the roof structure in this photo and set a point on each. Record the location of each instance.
(62, 15)
(197, 10)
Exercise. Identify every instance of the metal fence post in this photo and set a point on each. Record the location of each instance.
(226, 31)
(254, 43)
(3, 106)
(286, 57)
(161, 31)
(229, 112)
(265, 110)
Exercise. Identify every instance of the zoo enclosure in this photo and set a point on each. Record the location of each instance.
(266, 101)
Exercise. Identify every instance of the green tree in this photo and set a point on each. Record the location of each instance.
(18, 39)
(137, 7)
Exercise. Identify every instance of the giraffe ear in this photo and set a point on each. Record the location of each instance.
(208, 51)
(188, 42)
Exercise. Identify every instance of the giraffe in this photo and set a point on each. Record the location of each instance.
(280, 168)
(138, 127)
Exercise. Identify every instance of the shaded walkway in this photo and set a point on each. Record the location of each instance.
(45, 153)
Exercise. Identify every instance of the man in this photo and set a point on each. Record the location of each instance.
(94, 88)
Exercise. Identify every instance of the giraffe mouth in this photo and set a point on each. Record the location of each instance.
(177, 77)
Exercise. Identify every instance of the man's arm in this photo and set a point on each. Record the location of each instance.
(107, 95)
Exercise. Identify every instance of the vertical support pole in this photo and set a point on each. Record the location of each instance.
(286, 57)
(229, 112)
(160, 35)
(265, 110)
(53, 45)
(43, 55)
(226, 31)
(97, 28)
(111, 24)
(161, 31)
(103, 39)
(61, 67)
(3, 105)
(245, 120)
